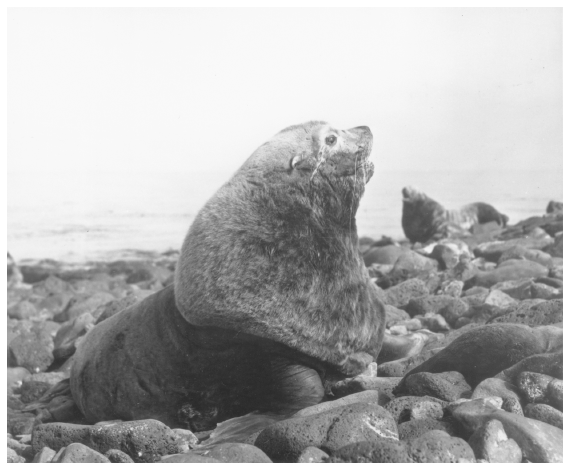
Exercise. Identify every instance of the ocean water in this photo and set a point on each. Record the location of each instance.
(77, 216)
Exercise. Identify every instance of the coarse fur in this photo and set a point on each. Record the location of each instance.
(274, 253)
(424, 219)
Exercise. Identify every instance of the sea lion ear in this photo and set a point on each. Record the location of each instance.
(295, 161)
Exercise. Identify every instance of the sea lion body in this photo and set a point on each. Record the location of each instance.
(271, 300)
(424, 219)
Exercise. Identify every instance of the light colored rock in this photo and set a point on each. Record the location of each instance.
(490, 442)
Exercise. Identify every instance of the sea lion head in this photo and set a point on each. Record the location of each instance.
(322, 162)
(422, 217)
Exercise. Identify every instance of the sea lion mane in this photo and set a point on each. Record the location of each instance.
(274, 253)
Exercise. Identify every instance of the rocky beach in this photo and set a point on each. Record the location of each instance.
(478, 377)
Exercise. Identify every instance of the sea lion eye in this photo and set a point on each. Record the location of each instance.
(330, 140)
(295, 160)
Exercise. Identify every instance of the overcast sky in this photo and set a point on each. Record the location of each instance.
(192, 89)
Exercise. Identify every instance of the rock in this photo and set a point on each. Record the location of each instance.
(50, 378)
(143, 440)
(399, 347)
(479, 353)
(87, 304)
(519, 289)
(366, 396)
(383, 254)
(37, 273)
(492, 251)
(442, 304)
(544, 291)
(400, 367)
(21, 423)
(480, 314)
(23, 450)
(394, 314)
(15, 375)
(13, 457)
(447, 386)
(187, 437)
(22, 310)
(410, 430)
(400, 294)
(234, 452)
(545, 413)
(554, 394)
(45, 455)
(539, 442)
(547, 363)
(433, 322)
(189, 457)
(533, 386)
(32, 350)
(80, 453)
(554, 206)
(557, 248)
(411, 264)
(439, 447)
(31, 390)
(494, 387)
(313, 455)
(446, 256)
(499, 299)
(452, 288)
(401, 407)
(426, 409)
(545, 313)
(284, 441)
(118, 456)
(520, 252)
(490, 442)
(69, 332)
(353, 386)
(378, 451)
(509, 270)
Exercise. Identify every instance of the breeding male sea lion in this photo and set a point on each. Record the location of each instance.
(271, 299)
(424, 219)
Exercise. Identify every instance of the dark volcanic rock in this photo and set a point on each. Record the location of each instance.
(554, 394)
(144, 440)
(410, 430)
(284, 441)
(484, 351)
(533, 386)
(401, 408)
(544, 313)
(32, 350)
(447, 386)
(545, 413)
(118, 456)
(439, 447)
(382, 385)
(399, 295)
(379, 451)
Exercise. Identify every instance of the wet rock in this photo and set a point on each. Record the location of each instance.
(479, 353)
(509, 270)
(366, 396)
(22, 310)
(189, 457)
(234, 452)
(118, 456)
(13, 457)
(533, 386)
(410, 430)
(383, 254)
(492, 251)
(539, 442)
(499, 299)
(447, 386)
(401, 407)
(494, 387)
(313, 455)
(490, 442)
(554, 394)
(80, 453)
(143, 440)
(284, 441)
(544, 313)
(400, 294)
(545, 413)
(31, 390)
(32, 350)
(547, 363)
(439, 447)
(45, 455)
(87, 304)
(353, 386)
(379, 451)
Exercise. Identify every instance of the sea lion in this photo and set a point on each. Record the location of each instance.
(271, 301)
(424, 219)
